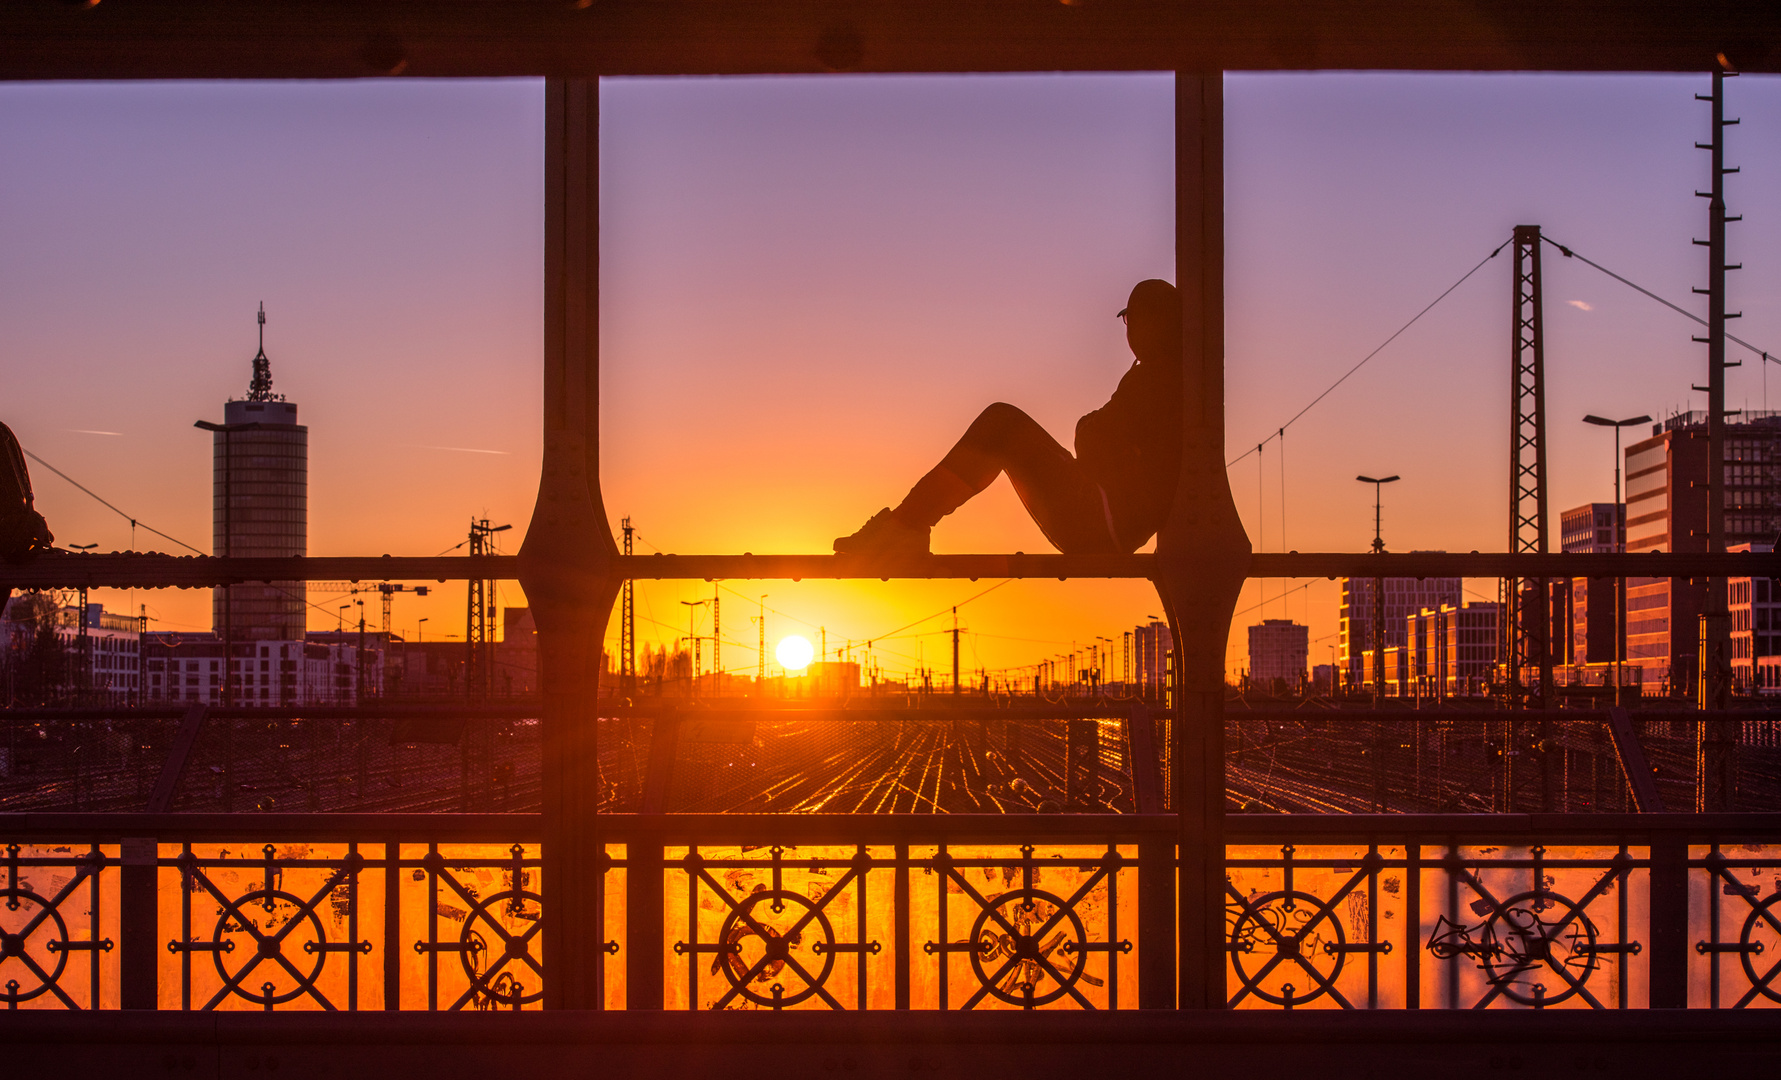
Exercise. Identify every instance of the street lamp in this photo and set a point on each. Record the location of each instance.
(1378, 544)
(420, 630)
(1378, 587)
(692, 635)
(1619, 543)
(1100, 670)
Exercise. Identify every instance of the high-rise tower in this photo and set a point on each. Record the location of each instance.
(260, 505)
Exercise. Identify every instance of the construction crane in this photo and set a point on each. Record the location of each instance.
(387, 589)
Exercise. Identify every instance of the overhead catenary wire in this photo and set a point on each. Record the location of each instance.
(134, 522)
(1281, 433)
(1572, 253)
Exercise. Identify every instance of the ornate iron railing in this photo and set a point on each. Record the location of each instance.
(884, 913)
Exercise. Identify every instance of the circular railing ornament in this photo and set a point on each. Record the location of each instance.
(749, 957)
(1290, 930)
(1021, 953)
(17, 941)
(1519, 937)
(473, 948)
(268, 947)
(1767, 913)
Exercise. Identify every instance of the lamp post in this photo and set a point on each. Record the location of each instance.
(420, 631)
(1619, 544)
(692, 637)
(1378, 587)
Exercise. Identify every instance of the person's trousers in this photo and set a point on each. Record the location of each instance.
(1069, 507)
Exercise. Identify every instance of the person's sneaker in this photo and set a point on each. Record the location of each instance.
(884, 533)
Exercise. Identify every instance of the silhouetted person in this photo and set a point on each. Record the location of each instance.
(1110, 497)
(23, 532)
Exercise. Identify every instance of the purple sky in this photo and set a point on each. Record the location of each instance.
(812, 284)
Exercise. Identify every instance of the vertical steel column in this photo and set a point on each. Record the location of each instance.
(392, 925)
(1202, 553)
(901, 952)
(566, 565)
(1669, 921)
(1523, 631)
(138, 930)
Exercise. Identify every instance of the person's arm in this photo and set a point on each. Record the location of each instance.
(1108, 440)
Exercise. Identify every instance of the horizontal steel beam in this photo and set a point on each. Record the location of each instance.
(893, 828)
(150, 571)
(515, 710)
(121, 39)
(1498, 564)
(934, 707)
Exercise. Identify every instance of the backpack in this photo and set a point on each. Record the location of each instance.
(23, 532)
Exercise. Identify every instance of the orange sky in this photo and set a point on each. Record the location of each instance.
(811, 286)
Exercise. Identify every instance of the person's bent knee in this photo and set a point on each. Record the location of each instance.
(1000, 419)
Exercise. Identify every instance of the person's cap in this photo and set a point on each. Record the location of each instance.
(1152, 294)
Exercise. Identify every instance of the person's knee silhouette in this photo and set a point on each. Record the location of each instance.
(1110, 496)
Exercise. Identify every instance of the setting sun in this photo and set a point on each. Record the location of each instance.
(794, 653)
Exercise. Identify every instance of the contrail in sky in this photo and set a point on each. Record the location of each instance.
(460, 449)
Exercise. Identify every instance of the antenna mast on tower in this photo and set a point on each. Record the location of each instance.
(260, 388)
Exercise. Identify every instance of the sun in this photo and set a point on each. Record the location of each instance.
(794, 653)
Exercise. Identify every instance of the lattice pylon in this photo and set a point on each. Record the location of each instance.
(1523, 623)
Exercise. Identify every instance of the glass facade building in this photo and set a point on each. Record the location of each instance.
(260, 496)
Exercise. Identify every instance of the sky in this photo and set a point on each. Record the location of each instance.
(811, 285)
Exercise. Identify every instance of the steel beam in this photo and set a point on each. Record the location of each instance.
(139, 943)
(137, 571)
(120, 39)
(566, 562)
(1633, 763)
(1202, 552)
(173, 769)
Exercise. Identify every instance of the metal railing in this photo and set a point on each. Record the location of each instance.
(878, 912)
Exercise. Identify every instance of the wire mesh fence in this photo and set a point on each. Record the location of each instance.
(954, 760)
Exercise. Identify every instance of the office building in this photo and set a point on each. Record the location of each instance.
(181, 667)
(1151, 648)
(1451, 651)
(1584, 607)
(1279, 653)
(1403, 598)
(112, 643)
(100, 651)
(260, 498)
(1666, 510)
(1755, 607)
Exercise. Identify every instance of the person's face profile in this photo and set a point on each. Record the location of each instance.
(1150, 333)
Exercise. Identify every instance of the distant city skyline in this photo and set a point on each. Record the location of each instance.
(809, 282)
